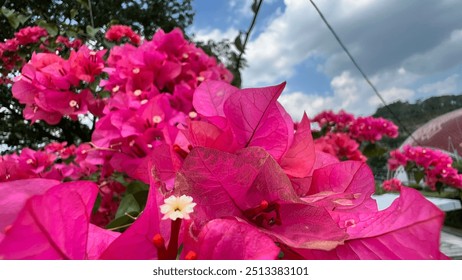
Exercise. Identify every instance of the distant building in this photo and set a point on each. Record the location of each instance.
(443, 133)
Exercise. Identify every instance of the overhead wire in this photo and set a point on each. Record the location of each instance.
(374, 89)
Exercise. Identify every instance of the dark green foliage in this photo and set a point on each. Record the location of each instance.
(73, 16)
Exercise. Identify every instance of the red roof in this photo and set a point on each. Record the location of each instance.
(443, 132)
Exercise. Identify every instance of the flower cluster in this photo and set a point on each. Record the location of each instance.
(368, 129)
(344, 136)
(46, 163)
(62, 162)
(9, 50)
(435, 165)
(339, 145)
(116, 33)
(14, 52)
(151, 88)
(392, 185)
(49, 85)
(372, 129)
(329, 120)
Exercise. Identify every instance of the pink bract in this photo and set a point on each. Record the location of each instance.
(55, 225)
(251, 186)
(409, 229)
(229, 239)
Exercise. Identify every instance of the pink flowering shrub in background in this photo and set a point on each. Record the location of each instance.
(392, 185)
(434, 166)
(347, 137)
(117, 33)
(26, 41)
(182, 165)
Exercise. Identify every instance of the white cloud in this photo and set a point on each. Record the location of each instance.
(444, 56)
(398, 45)
(244, 7)
(392, 95)
(296, 103)
(446, 86)
(350, 93)
(214, 34)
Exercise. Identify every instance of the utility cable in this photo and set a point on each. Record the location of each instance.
(363, 74)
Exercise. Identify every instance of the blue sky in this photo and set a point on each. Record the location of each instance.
(410, 49)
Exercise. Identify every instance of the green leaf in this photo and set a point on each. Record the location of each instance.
(51, 28)
(238, 43)
(439, 187)
(418, 176)
(71, 33)
(137, 186)
(255, 6)
(7, 12)
(92, 31)
(141, 197)
(128, 205)
(97, 204)
(11, 17)
(373, 150)
(22, 18)
(119, 177)
(84, 4)
(122, 223)
(73, 13)
(180, 249)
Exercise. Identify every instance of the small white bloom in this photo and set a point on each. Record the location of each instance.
(192, 114)
(177, 207)
(156, 119)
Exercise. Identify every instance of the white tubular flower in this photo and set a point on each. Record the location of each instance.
(177, 207)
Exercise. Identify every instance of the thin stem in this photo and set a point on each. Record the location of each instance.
(91, 14)
(130, 216)
(172, 249)
(247, 35)
(119, 227)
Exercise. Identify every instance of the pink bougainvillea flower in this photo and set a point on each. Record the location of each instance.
(435, 165)
(340, 145)
(150, 236)
(46, 85)
(345, 185)
(136, 243)
(392, 185)
(230, 239)
(71, 44)
(251, 186)
(361, 129)
(35, 162)
(117, 32)
(30, 35)
(408, 229)
(258, 120)
(55, 225)
(231, 119)
(152, 87)
(206, 134)
(16, 193)
(87, 64)
(210, 97)
(301, 156)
